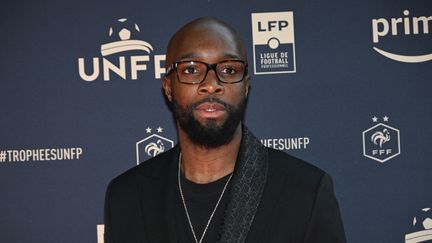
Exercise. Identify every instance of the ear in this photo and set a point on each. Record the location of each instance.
(247, 85)
(166, 84)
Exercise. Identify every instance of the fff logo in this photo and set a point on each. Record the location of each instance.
(152, 145)
(381, 142)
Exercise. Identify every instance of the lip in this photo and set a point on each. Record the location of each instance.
(210, 110)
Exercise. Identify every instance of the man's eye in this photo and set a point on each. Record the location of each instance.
(190, 70)
(229, 70)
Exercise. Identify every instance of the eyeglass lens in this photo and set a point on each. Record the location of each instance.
(195, 72)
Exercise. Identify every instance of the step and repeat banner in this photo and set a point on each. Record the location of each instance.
(345, 85)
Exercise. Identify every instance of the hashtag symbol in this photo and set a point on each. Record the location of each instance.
(2, 156)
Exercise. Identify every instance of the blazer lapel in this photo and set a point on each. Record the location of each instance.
(249, 179)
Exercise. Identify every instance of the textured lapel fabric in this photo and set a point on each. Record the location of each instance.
(248, 183)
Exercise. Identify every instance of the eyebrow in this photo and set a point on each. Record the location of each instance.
(196, 55)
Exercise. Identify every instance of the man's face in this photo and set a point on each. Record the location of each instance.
(208, 112)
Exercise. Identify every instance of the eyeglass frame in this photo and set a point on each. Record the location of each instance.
(209, 67)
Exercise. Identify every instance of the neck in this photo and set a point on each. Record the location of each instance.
(204, 165)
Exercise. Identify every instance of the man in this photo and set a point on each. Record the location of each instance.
(220, 184)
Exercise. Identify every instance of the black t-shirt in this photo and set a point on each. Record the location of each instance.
(200, 200)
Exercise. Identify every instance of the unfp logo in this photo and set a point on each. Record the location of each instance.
(421, 227)
(381, 142)
(273, 42)
(152, 145)
(124, 56)
(397, 26)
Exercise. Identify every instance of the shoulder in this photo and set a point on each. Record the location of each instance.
(295, 171)
(285, 163)
(149, 170)
(301, 197)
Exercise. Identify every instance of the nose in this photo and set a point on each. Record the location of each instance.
(211, 84)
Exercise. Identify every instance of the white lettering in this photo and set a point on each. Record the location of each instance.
(425, 22)
(381, 26)
(286, 143)
(375, 29)
(381, 151)
(135, 66)
(158, 67)
(120, 71)
(82, 73)
(25, 155)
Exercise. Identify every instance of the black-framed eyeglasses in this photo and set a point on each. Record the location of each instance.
(195, 72)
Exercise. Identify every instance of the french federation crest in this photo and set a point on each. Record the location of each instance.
(381, 142)
(152, 145)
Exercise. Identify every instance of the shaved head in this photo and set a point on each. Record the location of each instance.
(210, 112)
(205, 28)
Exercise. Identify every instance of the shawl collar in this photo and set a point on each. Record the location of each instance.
(250, 176)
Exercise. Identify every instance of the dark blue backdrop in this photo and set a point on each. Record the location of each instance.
(362, 116)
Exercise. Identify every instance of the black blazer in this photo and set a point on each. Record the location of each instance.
(298, 203)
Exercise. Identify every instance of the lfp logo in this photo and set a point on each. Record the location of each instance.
(405, 25)
(273, 42)
(124, 56)
(381, 142)
(152, 145)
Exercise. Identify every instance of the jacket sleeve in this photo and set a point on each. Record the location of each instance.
(107, 222)
(325, 224)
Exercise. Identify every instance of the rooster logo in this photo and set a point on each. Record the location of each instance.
(153, 149)
(381, 142)
(380, 137)
(152, 145)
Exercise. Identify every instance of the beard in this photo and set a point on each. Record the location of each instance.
(209, 134)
